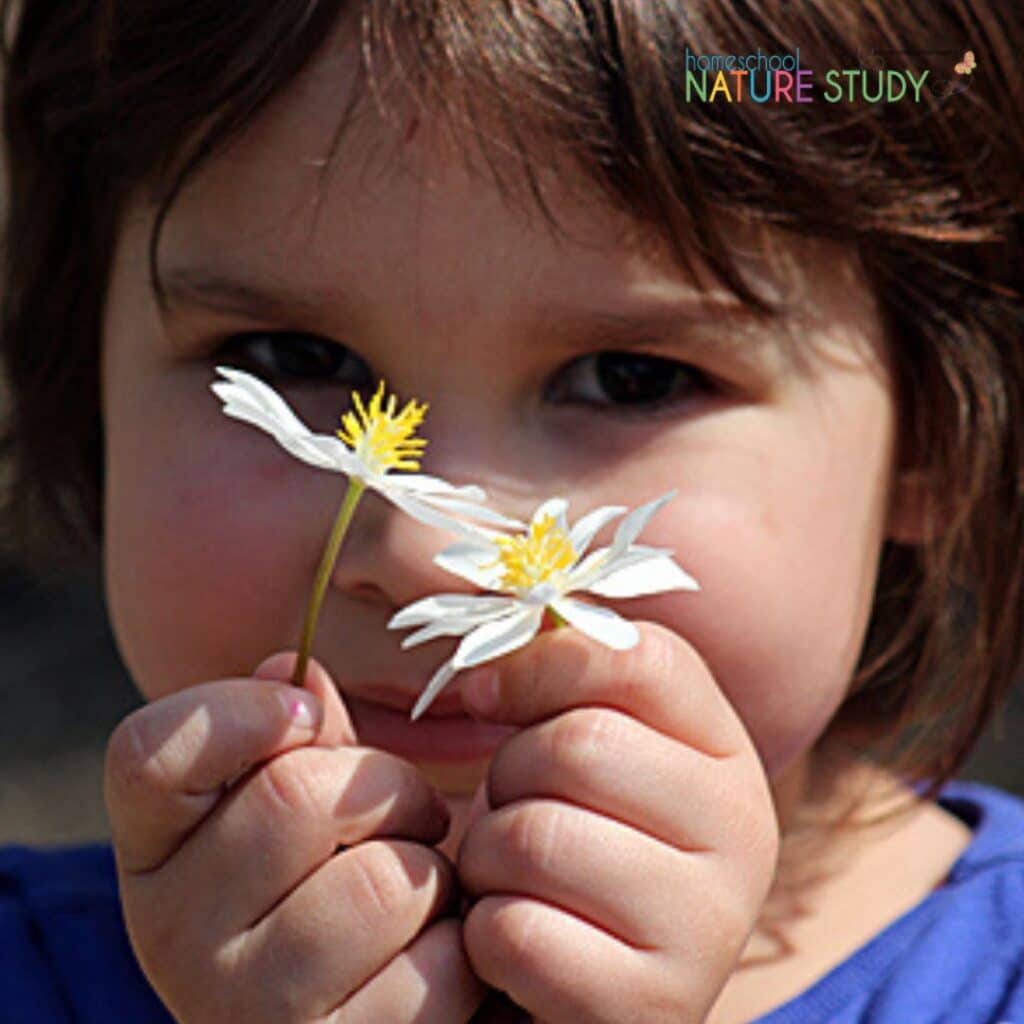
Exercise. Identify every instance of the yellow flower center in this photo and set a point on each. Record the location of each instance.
(536, 557)
(382, 439)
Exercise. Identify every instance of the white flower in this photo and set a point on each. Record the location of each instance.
(539, 571)
(368, 447)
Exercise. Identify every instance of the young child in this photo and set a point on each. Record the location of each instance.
(804, 315)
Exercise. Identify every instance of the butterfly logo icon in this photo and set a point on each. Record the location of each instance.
(967, 65)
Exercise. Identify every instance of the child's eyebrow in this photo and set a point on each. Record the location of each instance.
(646, 322)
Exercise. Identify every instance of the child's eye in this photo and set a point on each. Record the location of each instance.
(294, 358)
(626, 382)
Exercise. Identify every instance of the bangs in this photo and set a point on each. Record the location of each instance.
(605, 88)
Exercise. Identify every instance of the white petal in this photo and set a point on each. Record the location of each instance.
(438, 681)
(420, 510)
(421, 483)
(602, 624)
(462, 501)
(471, 562)
(451, 626)
(306, 447)
(540, 594)
(583, 532)
(603, 562)
(250, 400)
(439, 606)
(471, 510)
(334, 449)
(326, 452)
(245, 410)
(497, 638)
(650, 576)
(480, 534)
(589, 569)
(247, 389)
(258, 418)
(238, 403)
(631, 527)
(552, 507)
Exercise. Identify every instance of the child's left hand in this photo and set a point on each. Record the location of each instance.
(630, 839)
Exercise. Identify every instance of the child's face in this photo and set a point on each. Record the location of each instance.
(431, 281)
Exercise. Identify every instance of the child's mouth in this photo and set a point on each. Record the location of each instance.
(452, 737)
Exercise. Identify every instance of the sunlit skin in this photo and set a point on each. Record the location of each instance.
(433, 282)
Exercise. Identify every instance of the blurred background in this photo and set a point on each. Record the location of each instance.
(64, 689)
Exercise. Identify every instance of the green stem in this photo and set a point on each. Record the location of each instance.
(557, 619)
(323, 574)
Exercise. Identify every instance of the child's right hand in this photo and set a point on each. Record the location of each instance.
(226, 811)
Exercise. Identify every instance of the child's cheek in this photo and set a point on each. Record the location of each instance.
(209, 560)
(785, 590)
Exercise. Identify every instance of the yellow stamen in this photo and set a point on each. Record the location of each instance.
(380, 438)
(532, 559)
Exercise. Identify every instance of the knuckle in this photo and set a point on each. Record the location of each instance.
(733, 916)
(378, 887)
(501, 940)
(672, 995)
(727, 911)
(582, 740)
(534, 834)
(666, 659)
(123, 756)
(751, 817)
(130, 765)
(746, 867)
(517, 936)
(660, 652)
(762, 832)
(763, 848)
(288, 782)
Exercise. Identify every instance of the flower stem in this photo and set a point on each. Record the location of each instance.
(323, 574)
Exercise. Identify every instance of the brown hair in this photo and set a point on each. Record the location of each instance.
(104, 99)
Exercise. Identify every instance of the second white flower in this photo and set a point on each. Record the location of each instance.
(530, 573)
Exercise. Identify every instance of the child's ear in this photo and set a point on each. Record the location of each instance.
(910, 520)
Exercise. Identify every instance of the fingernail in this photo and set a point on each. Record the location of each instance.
(301, 709)
(480, 690)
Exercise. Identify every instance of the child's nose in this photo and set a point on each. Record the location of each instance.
(387, 557)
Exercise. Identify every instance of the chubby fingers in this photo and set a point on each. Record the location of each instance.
(605, 761)
(295, 812)
(602, 816)
(632, 837)
(169, 762)
(662, 682)
(336, 930)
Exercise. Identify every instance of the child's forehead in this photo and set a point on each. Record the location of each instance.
(265, 186)
(263, 204)
(405, 190)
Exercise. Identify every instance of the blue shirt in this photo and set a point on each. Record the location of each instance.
(955, 958)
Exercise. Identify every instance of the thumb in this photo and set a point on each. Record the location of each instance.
(337, 728)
